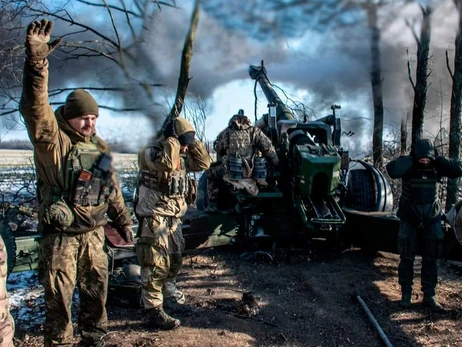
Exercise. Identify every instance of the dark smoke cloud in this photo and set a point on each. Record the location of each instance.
(338, 68)
(332, 66)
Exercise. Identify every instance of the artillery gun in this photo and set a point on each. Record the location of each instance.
(306, 196)
(314, 193)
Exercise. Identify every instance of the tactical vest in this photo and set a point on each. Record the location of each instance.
(84, 183)
(240, 143)
(172, 184)
(422, 186)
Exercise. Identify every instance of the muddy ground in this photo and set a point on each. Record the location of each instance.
(307, 301)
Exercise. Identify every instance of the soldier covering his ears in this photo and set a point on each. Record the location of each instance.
(162, 191)
(420, 216)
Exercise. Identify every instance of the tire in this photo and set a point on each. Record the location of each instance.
(201, 201)
(10, 244)
(361, 193)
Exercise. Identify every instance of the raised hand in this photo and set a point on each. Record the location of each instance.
(38, 45)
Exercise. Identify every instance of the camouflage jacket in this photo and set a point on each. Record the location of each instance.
(7, 322)
(243, 140)
(160, 160)
(53, 139)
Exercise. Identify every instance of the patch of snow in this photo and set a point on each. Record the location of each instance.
(27, 302)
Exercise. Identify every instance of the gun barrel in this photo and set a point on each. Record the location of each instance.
(258, 73)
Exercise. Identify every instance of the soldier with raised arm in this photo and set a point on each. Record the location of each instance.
(76, 188)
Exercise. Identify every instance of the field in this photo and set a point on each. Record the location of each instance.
(24, 158)
(309, 299)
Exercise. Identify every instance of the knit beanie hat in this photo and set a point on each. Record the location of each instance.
(185, 131)
(187, 138)
(80, 103)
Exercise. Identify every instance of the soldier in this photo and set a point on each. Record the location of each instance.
(76, 187)
(242, 140)
(7, 322)
(163, 186)
(420, 216)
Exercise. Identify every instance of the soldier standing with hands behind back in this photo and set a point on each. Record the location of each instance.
(420, 217)
(76, 187)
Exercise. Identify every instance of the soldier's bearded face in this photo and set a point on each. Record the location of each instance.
(84, 125)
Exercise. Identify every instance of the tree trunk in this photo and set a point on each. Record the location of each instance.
(455, 121)
(403, 137)
(186, 57)
(376, 82)
(420, 88)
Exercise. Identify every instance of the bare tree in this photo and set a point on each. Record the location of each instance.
(422, 73)
(186, 58)
(456, 97)
(376, 81)
(195, 111)
(403, 136)
(110, 58)
(293, 17)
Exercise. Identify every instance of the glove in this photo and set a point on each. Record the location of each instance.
(38, 45)
(127, 233)
(169, 130)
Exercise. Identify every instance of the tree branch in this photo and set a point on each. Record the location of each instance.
(71, 21)
(448, 66)
(123, 9)
(409, 73)
(414, 34)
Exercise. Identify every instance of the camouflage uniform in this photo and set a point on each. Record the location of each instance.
(420, 215)
(160, 206)
(240, 139)
(6, 322)
(73, 235)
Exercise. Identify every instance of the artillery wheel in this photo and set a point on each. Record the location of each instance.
(361, 193)
(10, 244)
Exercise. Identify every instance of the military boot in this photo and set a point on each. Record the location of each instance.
(162, 320)
(177, 297)
(431, 302)
(406, 297)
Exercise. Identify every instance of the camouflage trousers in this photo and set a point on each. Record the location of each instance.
(425, 241)
(6, 321)
(160, 258)
(64, 260)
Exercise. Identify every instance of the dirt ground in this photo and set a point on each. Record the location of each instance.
(308, 301)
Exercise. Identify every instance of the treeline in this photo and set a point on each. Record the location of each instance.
(118, 147)
(16, 144)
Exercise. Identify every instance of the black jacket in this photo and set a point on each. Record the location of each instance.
(412, 209)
